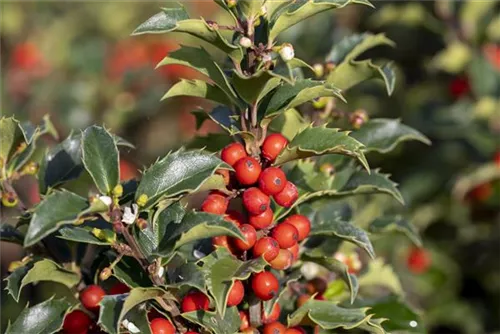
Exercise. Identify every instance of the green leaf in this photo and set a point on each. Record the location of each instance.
(100, 158)
(139, 317)
(383, 135)
(212, 142)
(351, 47)
(250, 8)
(44, 318)
(328, 315)
(61, 163)
(18, 161)
(44, 270)
(130, 272)
(80, 234)
(321, 140)
(339, 268)
(9, 233)
(379, 275)
(57, 209)
(222, 274)
(197, 88)
(177, 19)
(284, 283)
(214, 322)
(400, 318)
(109, 312)
(374, 182)
(200, 60)
(189, 274)
(300, 10)
(396, 223)
(10, 133)
(292, 95)
(250, 88)
(179, 172)
(138, 296)
(289, 123)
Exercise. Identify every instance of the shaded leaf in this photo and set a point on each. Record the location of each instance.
(253, 88)
(57, 209)
(44, 318)
(9, 233)
(80, 234)
(284, 282)
(109, 312)
(288, 123)
(189, 274)
(10, 133)
(138, 296)
(396, 223)
(130, 272)
(214, 322)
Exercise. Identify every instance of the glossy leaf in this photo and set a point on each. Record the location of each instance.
(399, 316)
(57, 209)
(44, 318)
(284, 283)
(189, 274)
(109, 312)
(197, 88)
(298, 11)
(10, 132)
(321, 140)
(130, 272)
(165, 21)
(179, 172)
(379, 275)
(339, 268)
(398, 224)
(9, 233)
(139, 317)
(214, 322)
(289, 123)
(383, 135)
(80, 234)
(100, 157)
(44, 270)
(138, 296)
(351, 47)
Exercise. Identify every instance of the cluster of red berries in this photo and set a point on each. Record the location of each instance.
(256, 182)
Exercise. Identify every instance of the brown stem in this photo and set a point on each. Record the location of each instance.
(242, 121)
(263, 135)
(135, 248)
(9, 188)
(253, 115)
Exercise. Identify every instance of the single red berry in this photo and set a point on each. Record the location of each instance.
(272, 180)
(161, 326)
(235, 217)
(232, 153)
(236, 294)
(247, 171)
(222, 241)
(255, 201)
(295, 330)
(194, 301)
(91, 296)
(215, 203)
(301, 223)
(118, 289)
(418, 260)
(265, 285)
(459, 87)
(274, 328)
(76, 322)
(225, 175)
(287, 196)
(250, 238)
(273, 145)
(285, 234)
(273, 316)
(262, 220)
(267, 247)
(319, 297)
(283, 260)
(244, 321)
(481, 192)
(295, 252)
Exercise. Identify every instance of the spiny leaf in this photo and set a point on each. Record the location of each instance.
(398, 224)
(250, 88)
(214, 322)
(383, 135)
(197, 88)
(289, 123)
(10, 133)
(351, 47)
(189, 274)
(9, 233)
(57, 209)
(100, 158)
(80, 234)
(399, 316)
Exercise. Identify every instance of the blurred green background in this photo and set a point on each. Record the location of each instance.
(77, 62)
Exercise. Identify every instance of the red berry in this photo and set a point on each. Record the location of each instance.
(245, 323)
(194, 301)
(215, 203)
(161, 326)
(295, 252)
(273, 316)
(301, 223)
(267, 247)
(459, 87)
(481, 192)
(283, 260)
(235, 217)
(273, 145)
(255, 201)
(287, 196)
(91, 296)
(262, 220)
(295, 330)
(118, 289)
(265, 285)
(496, 158)
(221, 241)
(272, 180)
(274, 328)
(232, 153)
(247, 171)
(225, 175)
(236, 294)
(76, 322)
(250, 238)
(418, 260)
(285, 234)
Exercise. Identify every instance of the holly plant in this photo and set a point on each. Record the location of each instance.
(279, 243)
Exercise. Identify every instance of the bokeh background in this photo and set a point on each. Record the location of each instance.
(77, 62)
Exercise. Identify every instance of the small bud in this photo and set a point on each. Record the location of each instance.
(21, 148)
(79, 221)
(142, 200)
(231, 3)
(286, 52)
(358, 118)
(142, 223)
(320, 103)
(118, 227)
(245, 42)
(9, 199)
(31, 168)
(327, 168)
(14, 265)
(118, 190)
(319, 70)
(104, 235)
(98, 233)
(106, 200)
(329, 67)
(105, 274)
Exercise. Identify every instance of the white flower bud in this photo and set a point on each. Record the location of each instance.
(286, 52)
(160, 272)
(106, 200)
(245, 42)
(309, 270)
(130, 214)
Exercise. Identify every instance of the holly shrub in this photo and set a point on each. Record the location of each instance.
(279, 243)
